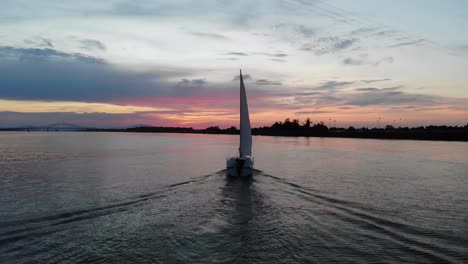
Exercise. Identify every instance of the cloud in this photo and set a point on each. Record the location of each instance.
(388, 59)
(351, 61)
(363, 30)
(372, 89)
(366, 89)
(34, 55)
(386, 33)
(195, 82)
(278, 60)
(39, 42)
(462, 47)
(314, 112)
(266, 82)
(387, 96)
(132, 8)
(294, 29)
(231, 59)
(332, 85)
(91, 44)
(408, 43)
(187, 87)
(274, 55)
(376, 80)
(307, 31)
(209, 35)
(277, 55)
(343, 44)
(244, 76)
(236, 53)
(327, 45)
(48, 74)
(364, 61)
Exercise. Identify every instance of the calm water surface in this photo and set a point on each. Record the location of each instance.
(165, 198)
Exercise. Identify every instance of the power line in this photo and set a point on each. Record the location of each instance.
(340, 15)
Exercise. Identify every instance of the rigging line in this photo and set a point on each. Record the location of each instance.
(372, 28)
(340, 17)
(305, 8)
(369, 22)
(337, 21)
(346, 19)
(297, 6)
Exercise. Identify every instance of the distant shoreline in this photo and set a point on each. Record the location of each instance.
(435, 133)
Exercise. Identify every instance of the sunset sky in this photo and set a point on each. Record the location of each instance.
(176, 63)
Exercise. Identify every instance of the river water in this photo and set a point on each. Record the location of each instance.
(75, 197)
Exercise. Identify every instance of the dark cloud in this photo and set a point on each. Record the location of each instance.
(363, 60)
(133, 8)
(307, 31)
(232, 59)
(189, 87)
(307, 93)
(277, 55)
(343, 44)
(376, 80)
(196, 82)
(366, 89)
(315, 112)
(373, 89)
(91, 44)
(364, 30)
(387, 96)
(236, 53)
(244, 76)
(47, 74)
(266, 82)
(389, 59)
(408, 43)
(278, 60)
(35, 55)
(462, 47)
(351, 61)
(327, 45)
(39, 42)
(209, 35)
(332, 85)
(302, 30)
(386, 33)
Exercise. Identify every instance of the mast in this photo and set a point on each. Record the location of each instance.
(245, 146)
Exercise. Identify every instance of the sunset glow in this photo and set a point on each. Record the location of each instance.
(176, 63)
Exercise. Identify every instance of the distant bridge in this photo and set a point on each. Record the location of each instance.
(64, 127)
(55, 127)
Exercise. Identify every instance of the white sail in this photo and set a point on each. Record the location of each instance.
(245, 148)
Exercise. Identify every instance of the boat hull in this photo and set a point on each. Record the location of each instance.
(240, 166)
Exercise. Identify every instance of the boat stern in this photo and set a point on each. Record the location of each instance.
(239, 166)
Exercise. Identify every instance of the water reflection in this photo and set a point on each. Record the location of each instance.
(120, 198)
(238, 194)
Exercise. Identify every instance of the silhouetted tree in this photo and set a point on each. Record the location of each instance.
(213, 129)
(307, 123)
(232, 129)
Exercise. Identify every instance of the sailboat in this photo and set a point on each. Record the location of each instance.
(242, 165)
